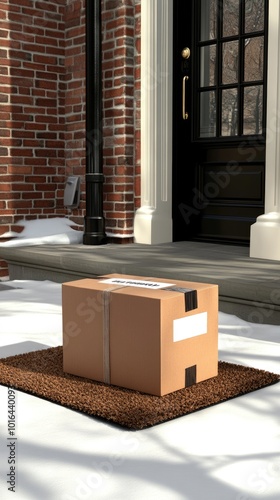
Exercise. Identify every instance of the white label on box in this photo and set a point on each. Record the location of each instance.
(191, 326)
(155, 285)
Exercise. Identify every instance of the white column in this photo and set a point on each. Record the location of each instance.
(265, 233)
(153, 220)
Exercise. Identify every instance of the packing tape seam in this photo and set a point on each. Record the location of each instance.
(106, 332)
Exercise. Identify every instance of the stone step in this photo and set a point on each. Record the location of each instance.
(248, 288)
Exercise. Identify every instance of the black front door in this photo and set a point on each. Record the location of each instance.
(219, 104)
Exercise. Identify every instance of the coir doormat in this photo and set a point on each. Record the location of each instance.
(40, 373)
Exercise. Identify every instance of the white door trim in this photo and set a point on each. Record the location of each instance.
(265, 233)
(153, 220)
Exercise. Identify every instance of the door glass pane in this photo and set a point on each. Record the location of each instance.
(231, 17)
(229, 112)
(208, 66)
(236, 63)
(208, 23)
(253, 110)
(207, 114)
(253, 69)
(254, 15)
(230, 62)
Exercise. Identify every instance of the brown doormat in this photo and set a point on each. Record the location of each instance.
(41, 373)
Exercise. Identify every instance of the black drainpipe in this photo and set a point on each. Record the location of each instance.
(94, 223)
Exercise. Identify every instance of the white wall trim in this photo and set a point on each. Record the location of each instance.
(153, 220)
(265, 233)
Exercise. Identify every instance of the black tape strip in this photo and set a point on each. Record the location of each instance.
(190, 296)
(190, 376)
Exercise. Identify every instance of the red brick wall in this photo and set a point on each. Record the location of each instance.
(120, 105)
(75, 97)
(42, 110)
(31, 110)
(137, 81)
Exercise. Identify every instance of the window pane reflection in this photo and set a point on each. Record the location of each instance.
(254, 15)
(230, 17)
(253, 110)
(208, 114)
(229, 112)
(253, 69)
(230, 62)
(208, 26)
(208, 66)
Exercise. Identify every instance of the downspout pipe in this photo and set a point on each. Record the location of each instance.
(94, 223)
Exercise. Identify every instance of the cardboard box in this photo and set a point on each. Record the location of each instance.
(147, 338)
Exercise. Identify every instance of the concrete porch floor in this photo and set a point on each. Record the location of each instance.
(248, 288)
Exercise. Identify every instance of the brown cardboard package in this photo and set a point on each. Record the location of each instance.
(140, 337)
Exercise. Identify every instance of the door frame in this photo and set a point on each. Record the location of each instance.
(156, 156)
(218, 177)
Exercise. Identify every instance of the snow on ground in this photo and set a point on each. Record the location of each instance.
(56, 230)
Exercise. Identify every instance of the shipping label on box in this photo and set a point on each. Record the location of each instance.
(148, 334)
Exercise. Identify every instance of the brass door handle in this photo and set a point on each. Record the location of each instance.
(185, 114)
